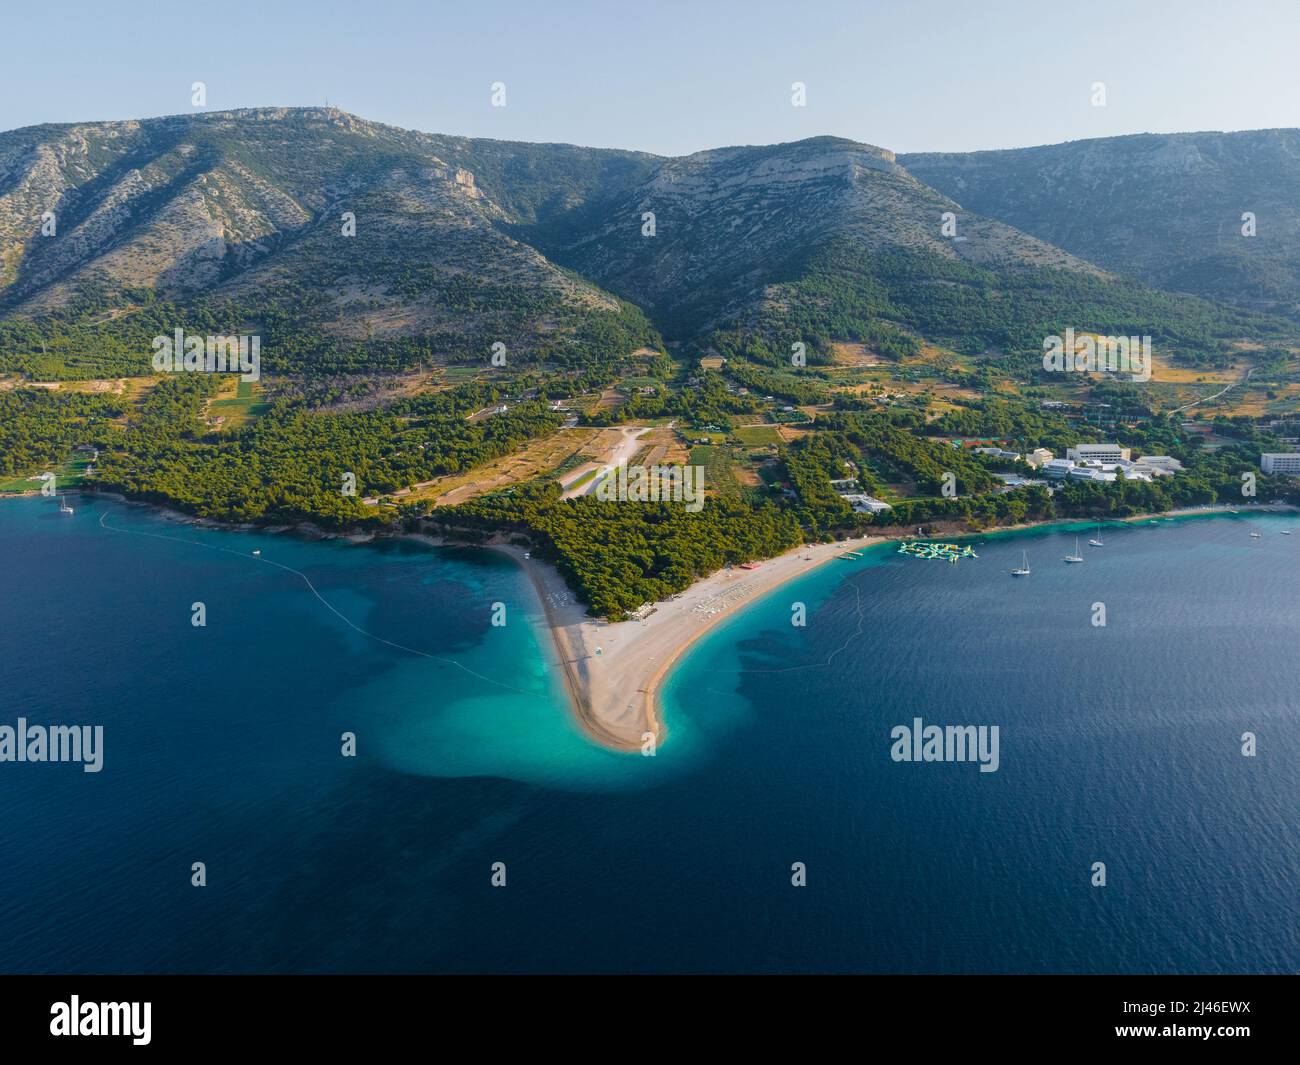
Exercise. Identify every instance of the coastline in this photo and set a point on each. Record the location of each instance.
(613, 671)
(613, 694)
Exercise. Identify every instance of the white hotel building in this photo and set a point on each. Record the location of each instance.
(1098, 453)
(1283, 462)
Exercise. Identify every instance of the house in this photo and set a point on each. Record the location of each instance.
(864, 504)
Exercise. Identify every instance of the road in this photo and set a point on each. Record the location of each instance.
(624, 450)
(1205, 399)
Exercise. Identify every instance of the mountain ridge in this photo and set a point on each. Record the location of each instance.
(239, 218)
(1164, 208)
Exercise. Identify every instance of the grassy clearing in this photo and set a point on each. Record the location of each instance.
(563, 449)
(236, 403)
(585, 479)
(716, 460)
(758, 435)
(70, 474)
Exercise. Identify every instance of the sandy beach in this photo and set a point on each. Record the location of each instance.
(613, 670)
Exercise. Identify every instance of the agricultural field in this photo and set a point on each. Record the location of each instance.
(758, 435)
(235, 403)
(718, 470)
(538, 458)
(460, 374)
(661, 446)
(70, 474)
(854, 355)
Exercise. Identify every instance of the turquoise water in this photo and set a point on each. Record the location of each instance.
(222, 744)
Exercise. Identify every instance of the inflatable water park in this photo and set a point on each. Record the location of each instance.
(943, 552)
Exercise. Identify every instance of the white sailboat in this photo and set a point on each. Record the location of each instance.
(1023, 571)
(63, 505)
(1096, 541)
(1076, 557)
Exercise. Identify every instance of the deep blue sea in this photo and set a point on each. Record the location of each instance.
(1119, 744)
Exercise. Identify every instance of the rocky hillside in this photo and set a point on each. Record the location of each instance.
(349, 245)
(336, 231)
(1165, 208)
(756, 248)
(732, 221)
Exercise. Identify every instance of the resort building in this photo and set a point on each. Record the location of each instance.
(1287, 463)
(1057, 469)
(867, 504)
(1098, 453)
(1165, 463)
(1090, 473)
(1015, 480)
(1038, 457)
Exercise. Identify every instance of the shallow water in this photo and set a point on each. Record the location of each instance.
(222, 744)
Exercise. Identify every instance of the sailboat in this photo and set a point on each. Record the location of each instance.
(1096, 542)
(63, 505)
(1076, 557)
(1023, 571)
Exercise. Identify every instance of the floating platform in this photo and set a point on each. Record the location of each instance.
(943, 552)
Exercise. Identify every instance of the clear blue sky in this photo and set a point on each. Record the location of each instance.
(673, 77)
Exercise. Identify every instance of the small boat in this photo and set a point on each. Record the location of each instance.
(1023, 571)
(1256, 536)
(1286, 532)
(1076, 557)
(1096, 542)
(257, 552)
(63, 506)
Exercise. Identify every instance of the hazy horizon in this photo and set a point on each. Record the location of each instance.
(930, 77)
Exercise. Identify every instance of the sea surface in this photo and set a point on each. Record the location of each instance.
(1119, 744)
